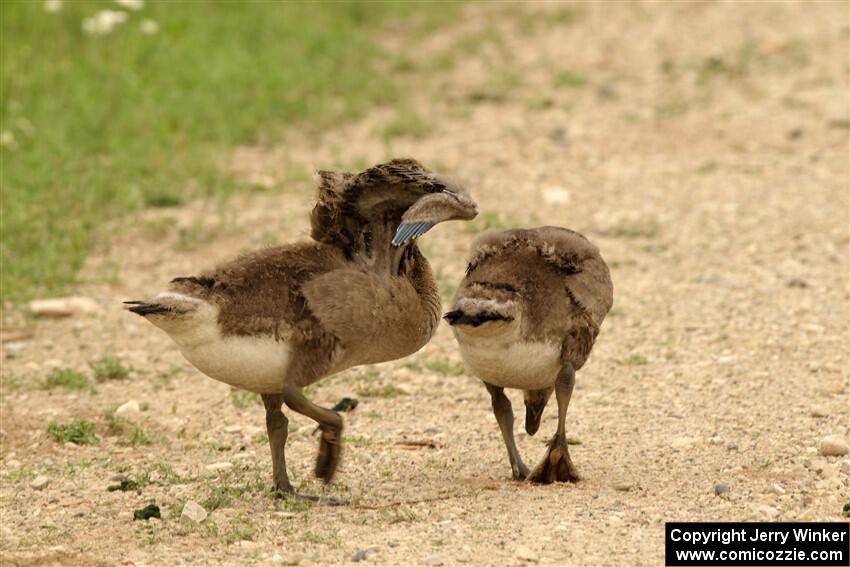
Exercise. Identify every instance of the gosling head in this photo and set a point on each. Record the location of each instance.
(399, 191)
(450, 202)
(425, 198)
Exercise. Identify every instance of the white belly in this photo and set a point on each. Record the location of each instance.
(257, 364)
(523, 365)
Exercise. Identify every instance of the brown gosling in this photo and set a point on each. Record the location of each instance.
(526, 316)
(360, 292)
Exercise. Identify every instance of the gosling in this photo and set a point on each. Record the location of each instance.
(526, 316)
(360, 292)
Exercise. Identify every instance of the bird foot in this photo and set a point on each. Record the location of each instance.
(292, 495)
(556, 466)
(282, 489)
(519, 472)
(330, 447)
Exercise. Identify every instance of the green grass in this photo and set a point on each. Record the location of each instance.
(628, 229)
(67, 378)
(109, 368)
(95, 126)
(134, 435)
(407, 123)
(386, 391)
(570, 79)
(635, 359)
(444, 368)
(244, 398)
(79, 432)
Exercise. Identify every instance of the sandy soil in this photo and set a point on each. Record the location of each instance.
(702, 146)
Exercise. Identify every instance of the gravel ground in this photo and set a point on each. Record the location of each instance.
(702, 146)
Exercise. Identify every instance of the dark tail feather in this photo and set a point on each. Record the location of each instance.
(142, 308)
(461, 318)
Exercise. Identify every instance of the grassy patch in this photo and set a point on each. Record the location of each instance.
(67, 378)
(634, 359)
(386, 391)
(448, 287)
(244, 398)
(133, 433)
(406, 123)
(220, 497)
(241, 531)
(497, 89)
(163, 198)
(79, 432)
(329, 538)
(157, 229)
(369, 374)
(357, 441)
(94, 125)
(109, 368)
(570, 79)
(445, 368)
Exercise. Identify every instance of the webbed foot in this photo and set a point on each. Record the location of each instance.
(556, 466)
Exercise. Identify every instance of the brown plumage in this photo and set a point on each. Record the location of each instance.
(278, 319)
(526, 316)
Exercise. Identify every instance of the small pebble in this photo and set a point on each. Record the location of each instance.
(14, 347)
(40, 482)
(233, 429)
(193, 513)
(776, 489)
(131, 407)
(721, 488)
(360, 555)
(623, 486)
(765, 511)
(681, 442)
(434, 560)
(63, 306)
(833, 446)
(223, 466)
(525, 554)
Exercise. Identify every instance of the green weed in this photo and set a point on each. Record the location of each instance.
(570, 79)
(634, 359)
(79, 432)
(445, 368)
(109, 368)
(67, 378)
(386, 391)
(244, 398)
